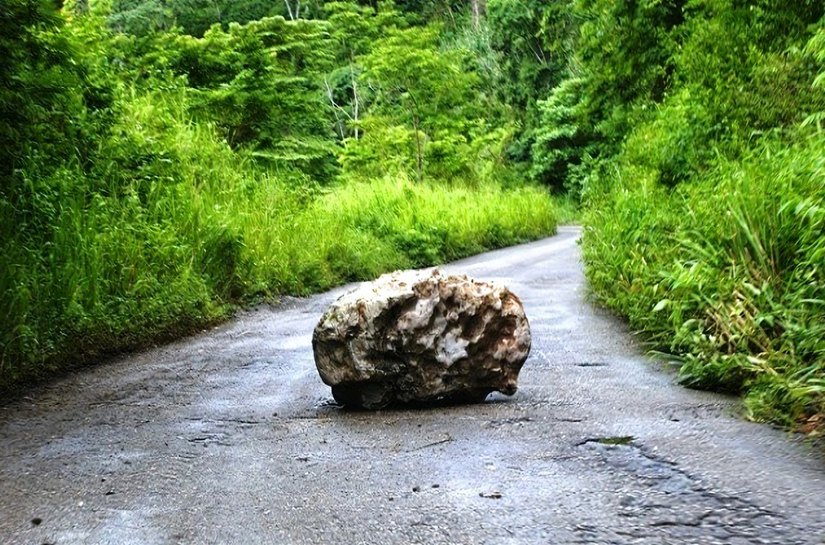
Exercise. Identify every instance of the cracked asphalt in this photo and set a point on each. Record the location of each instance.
(230, 437)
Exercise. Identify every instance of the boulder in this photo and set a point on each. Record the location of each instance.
(421, 336)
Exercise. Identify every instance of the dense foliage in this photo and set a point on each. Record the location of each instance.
(157, 170)
(707, 227)
(693, 131)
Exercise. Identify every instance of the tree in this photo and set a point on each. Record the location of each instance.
(423, 90)
(354, 29)
(534, 40)
(559, 143)
(478, 9)
(194, 17)
(42, 100)
(140, 17)
(261, 84)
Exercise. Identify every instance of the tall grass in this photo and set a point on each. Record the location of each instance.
(170, 229)
(729, 272)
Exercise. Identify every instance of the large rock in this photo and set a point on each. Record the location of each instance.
(421, 336)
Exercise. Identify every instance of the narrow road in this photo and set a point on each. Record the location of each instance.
(230, 437)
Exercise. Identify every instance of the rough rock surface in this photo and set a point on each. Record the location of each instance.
(421, 336)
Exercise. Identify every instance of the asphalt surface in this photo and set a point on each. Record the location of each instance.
(230, 437)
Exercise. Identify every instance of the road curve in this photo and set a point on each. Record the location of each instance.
(230, 437)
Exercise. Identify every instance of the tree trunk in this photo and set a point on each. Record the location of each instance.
(335, 108)
(416, 119)
(479, 9)
(355, 104)
(420, 153)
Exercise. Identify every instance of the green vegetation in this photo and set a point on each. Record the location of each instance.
(164, 160)
(153, 179)
(726, 272)
(692, 129)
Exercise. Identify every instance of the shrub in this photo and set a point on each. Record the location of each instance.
(727, 272)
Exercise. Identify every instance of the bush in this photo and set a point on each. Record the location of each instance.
(152, 183)
(727, 272)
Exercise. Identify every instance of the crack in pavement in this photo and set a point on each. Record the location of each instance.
(661, 500)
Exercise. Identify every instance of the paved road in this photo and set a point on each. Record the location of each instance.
(230, 437)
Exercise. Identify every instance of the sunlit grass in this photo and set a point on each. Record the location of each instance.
(174, 229)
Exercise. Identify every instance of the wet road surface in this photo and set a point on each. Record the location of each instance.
(230, 437)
